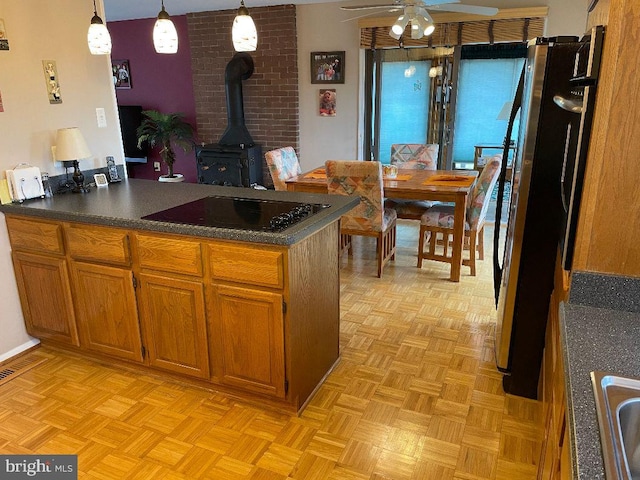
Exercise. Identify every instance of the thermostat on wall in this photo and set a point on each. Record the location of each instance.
(101, 180)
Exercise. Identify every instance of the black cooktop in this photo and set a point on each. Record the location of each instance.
(238, 213)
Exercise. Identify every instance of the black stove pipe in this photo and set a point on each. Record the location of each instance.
(239, 68)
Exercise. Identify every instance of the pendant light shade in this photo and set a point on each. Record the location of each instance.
(165, 35)
(244, 33)
(98, 36)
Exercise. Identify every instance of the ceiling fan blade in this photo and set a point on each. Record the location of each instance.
(369, 7)
(364, 15)
(430, 3)
(473, 9)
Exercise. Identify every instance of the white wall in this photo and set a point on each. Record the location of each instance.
(321, 28)
(47, 30)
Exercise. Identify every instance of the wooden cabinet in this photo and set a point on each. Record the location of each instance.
(248, 336)
(45, 295)
(256, 320)
(43, 279)
(106, 310)
(554, 461)
(173, 315)
(172, 305)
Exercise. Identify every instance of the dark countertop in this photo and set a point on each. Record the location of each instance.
(600, 330)
(124, 204)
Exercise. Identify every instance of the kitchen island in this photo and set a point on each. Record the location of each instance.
(252, 313)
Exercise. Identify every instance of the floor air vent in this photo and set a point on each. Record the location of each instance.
(14, 369)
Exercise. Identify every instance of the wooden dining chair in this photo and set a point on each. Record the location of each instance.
(417, 157)
(436, 225)
(283, 164)
(369, 218)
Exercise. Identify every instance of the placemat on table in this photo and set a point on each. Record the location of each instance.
(450, 180)
(316, 174)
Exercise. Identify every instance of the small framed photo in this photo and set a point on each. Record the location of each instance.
(121, 73)
(327, 67)
(100, 179)
(328, 100)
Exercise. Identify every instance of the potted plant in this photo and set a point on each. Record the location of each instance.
(166, 130)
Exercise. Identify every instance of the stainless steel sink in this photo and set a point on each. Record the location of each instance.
(618, 409)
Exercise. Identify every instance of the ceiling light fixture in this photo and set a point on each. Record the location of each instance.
(243, 32)
(98, 36)
(165, 35)
(420, 20)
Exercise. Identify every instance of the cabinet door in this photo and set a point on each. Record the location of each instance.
(45, 295)
(106, 308)
(248, 339)
(173, 315)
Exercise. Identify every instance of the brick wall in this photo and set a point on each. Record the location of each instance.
(270, 95)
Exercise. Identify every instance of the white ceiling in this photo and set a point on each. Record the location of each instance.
(131, 9)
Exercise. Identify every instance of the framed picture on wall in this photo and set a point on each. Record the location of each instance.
(121, 73)
(327, 67)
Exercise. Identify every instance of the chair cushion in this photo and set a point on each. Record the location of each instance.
(409, 208)
(478, 203)
(440, 216)
(389, 217)
(283, 164)
(365, 180)
(415, 155)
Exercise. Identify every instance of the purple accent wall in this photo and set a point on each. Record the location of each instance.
(158, 82)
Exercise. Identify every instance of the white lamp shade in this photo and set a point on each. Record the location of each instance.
(244, 34)
(165, 36)
(71, 145)
(99, 39)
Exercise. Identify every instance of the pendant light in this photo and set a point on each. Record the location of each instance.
(165, 35)
(243, 33)
(98, 36)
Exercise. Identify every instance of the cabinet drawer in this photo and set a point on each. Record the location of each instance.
(170, 254)
(35, 235)
(247, 264)
(104, 245)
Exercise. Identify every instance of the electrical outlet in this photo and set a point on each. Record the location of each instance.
(156, 166)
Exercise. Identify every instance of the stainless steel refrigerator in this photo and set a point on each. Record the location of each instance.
(536, 217)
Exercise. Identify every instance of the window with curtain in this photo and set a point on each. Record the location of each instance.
(404, 104)
(485, 85)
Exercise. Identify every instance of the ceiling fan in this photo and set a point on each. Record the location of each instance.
(415, 12)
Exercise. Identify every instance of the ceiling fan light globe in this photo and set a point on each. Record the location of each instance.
(400, 24)
(429, 30)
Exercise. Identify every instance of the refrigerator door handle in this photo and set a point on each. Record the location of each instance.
(573, 106)
(497, 268)
(564, 168)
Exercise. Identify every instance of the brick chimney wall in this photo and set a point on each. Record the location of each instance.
(270, 95)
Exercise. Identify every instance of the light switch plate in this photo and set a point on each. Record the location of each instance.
(101, 117)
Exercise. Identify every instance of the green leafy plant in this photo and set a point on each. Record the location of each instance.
(165, 130)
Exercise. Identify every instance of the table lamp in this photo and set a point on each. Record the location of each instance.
(71, 147)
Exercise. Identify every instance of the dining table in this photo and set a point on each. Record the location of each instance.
(451, 186)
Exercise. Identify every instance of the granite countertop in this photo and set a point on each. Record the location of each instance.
(600, 330)
(124, 204)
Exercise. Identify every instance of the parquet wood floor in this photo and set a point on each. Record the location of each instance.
(416, 396)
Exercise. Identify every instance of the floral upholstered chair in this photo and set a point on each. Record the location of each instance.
(414, 156)
(283, 164)
(369, 218)
(439, 221)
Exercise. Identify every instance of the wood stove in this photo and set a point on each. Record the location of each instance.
(235, 160)
(229, 165)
